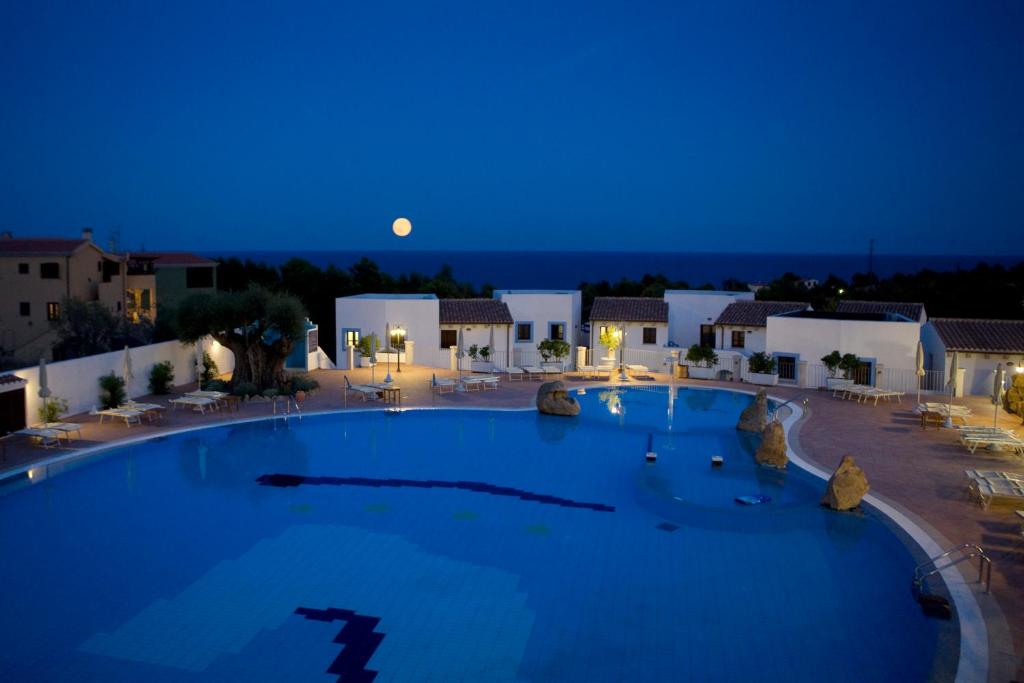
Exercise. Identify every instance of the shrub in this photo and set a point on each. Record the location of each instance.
(217, 385)
(832, 362)
(161, 376)
(368, 346)
(304, 383)
(485, 353)
(702, 356)
(761, 363)
(553, 348)
(111, 391)
(52, 409)
(609, 339)
(270, 393)
(474, 352)
(245, 389)
(848, 364)
(209, 368)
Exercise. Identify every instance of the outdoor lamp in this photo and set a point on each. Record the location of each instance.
(400, 333)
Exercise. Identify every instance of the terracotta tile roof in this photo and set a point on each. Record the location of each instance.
(629, 309)
(175, 258)
(478, 311)
(755, 313)
(11, 379)
(912, 311)
(43, 246)
(982, 336)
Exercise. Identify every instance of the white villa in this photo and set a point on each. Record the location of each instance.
(644, 321)
(742, 326)
(416, 316)
(981, 346)
(540, 314)
(692, 314)
(483, 322)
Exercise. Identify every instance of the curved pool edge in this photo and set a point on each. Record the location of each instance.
(973, 661)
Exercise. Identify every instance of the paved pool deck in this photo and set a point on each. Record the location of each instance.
(920, 471)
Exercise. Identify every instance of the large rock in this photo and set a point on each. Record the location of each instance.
(553, 399)
(846, 487)
(1013, 400)
(754, 417)
(772, 451)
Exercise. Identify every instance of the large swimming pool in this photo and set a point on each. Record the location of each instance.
(444, 545)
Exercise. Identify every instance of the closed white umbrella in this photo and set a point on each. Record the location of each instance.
(954, 370)
(997, 393)
(490, 343)
(126, 367)
(387, 349)
(44, 389)
(920, 369)
(373, 358)
(459, 353)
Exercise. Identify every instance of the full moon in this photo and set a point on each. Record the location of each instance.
(401, 227)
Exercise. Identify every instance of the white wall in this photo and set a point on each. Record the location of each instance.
(418, 317)
(481, 336)
(890, 344)
(634, 337)
(977, 367)
(688, 309)
(755, 338)
(77, 380)
(542, 308)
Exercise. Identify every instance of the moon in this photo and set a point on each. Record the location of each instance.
(401, 227)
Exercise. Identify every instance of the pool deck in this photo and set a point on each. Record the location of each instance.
(921, 471)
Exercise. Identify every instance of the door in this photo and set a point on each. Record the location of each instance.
(786, 368)
(707, 336)
(862, 374)
(12, 411)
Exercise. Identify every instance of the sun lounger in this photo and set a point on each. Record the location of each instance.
(532, 371)
(442, 385)
(125, 414)
(989, 491)
(151, 410)
(638, 370)
(364, 390)
(839, 387)
(954, 412)
(65, 428)
(514, 374)
(42, 437)
(975, 441)
(480, 382)
(197, 403)
(552, 368)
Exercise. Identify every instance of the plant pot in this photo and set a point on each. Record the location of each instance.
(481, 366)
(697, 372)
(762, 379)
(300, 396)
(365, 362)
(836, 382)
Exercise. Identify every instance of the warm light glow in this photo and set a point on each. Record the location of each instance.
(842, 291)
(401, 227)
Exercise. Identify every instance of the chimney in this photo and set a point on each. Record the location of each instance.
(87, 234)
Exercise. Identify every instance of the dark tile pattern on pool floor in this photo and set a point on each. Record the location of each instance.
(291, 480)
(358, 638)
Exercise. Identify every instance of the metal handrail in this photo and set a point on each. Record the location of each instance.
(968, 551)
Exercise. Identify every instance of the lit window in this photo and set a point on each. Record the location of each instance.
(351, 338)
(53, 311)
(557, 332)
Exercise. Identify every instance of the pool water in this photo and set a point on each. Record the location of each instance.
(442, 545)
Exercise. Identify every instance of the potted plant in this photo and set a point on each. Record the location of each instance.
(831, 363)
(477, 360)
(368, 346)
(848, 364)
(611, 339)
(553, 350)
(761, 369)
(702, 361)
(52, 409)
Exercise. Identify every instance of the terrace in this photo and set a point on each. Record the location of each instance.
(920, 472)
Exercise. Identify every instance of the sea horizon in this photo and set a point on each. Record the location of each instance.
(525, 269)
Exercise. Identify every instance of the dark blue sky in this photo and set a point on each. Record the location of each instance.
(712, 126)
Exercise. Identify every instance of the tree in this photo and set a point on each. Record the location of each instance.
(260, 328)
(86, 328)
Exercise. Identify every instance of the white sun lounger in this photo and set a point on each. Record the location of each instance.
(989, 491)
(125, 414)
(532, 371)
(484, 382)
(638, 370)
(551, 368)
(364, 390)
(197, 403)
(442, 385)
(975, 441)
(514, 373)
(65, 428)
(43, 437)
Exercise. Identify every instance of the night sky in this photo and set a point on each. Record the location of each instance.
(715, 126)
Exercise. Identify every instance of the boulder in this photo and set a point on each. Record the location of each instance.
(1013, 400)
(553, 399)
(754, 417)
(772, 451)
(846, 487)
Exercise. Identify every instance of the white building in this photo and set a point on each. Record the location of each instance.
(643, 319)
(910, 311)
(416, 314)
(742, 326)
(885, 343)
(692, 314)
(981, 346)
(483, 323)
(541, 314)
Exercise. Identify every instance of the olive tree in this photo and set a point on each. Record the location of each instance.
(260, 328)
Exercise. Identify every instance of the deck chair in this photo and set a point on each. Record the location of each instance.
(364, 390)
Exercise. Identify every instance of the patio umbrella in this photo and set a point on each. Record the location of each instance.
(490, 343)
(920, 369)
(459, 353)
(997, 394)
(954, 370)
(373, 358)
(387, 340)
(44, 390)
(126, 367)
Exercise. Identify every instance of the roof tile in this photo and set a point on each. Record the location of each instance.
(474, 311)
(40, 245)
(625, 309)
(982, 336)
(913, 311)
(755, 313)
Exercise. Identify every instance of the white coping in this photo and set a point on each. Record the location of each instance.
(972, 663)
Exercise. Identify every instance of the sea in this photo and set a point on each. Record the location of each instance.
(567, 269)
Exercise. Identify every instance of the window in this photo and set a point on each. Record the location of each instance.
(738, 339)
(111, 269)
(49, 271)
(53, 310)
(351, 338)
(524, 332)
(24, 309)
(199, 277)
(449, 338)
(650, 335)
(707, 336)
(556, 331)
(22, 269)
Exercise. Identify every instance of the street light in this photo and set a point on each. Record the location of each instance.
(400, 333)
(620, 333)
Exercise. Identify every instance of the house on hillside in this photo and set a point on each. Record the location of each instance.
(177, 274)
(483, 322)
(642, 320)
(692, 314)
(885, 343)
(540, 314)
(910, 311)
(982, 345)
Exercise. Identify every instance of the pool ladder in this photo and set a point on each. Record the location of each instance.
(288, 402)
(962, 553)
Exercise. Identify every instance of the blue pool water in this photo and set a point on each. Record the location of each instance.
(455, 546)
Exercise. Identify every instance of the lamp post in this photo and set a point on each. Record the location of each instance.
(620, 332)
(400, 333)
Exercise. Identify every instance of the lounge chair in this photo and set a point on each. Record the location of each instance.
(153, 411)
(839, 387)
(197, 403)
(127, 415)
(442, 385)
(532, 371)
(41, 437)
(514, 373)
(638, 370)
(988, 491)
(480, 382)
(364, 390)
(551, 368)
(974, 441)
(65, 428)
